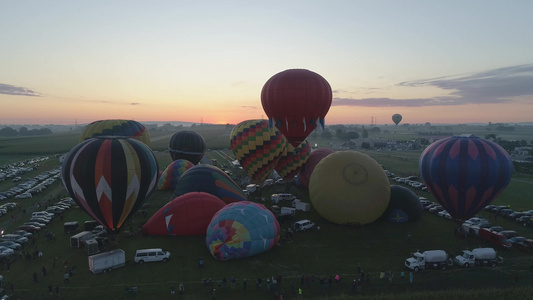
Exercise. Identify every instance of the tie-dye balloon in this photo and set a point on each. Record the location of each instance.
(170, 176)
(242, 229)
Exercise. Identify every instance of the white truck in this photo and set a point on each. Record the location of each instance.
(471, 227)
(478, 257)
(252, 188)
(107, 261)
(431, 259)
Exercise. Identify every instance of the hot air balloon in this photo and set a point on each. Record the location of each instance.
(125, 128)
(350, 188)
(292, 160)
(404, 205)
(314, 158)
(242, 229)
(465, 173)
(187, 145)
(257, 147)
(211, 180)
(170, 176)
(296, 101)
(188, 214)
(396, 118)
(110, 178)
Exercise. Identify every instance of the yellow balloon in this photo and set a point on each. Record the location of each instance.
(349, 187)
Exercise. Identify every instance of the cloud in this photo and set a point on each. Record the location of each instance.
(135, 103)
(248, 107)
(493, 86)
(9, 89)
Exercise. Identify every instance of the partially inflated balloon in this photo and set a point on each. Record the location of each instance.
(465, 173)
(257, 147)
(189, 214)
(187, 145)
(404, 205)
(349, 187)
(242, 229)
(211, 180)
(296, 101)
(314, 158)
(119, 128)
(292, 160)
(170, 176)
(110, 178)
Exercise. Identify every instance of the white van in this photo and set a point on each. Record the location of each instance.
(40, 214)
(276, 198)
(149, 255)
(303, 225)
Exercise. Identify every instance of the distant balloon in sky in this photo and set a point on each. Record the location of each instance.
(187, 145)
(242, 229)
(465, 173)
(296, 101)
(110, 178)
(116, 127)
(257, 147)
(396, 118)
(349, 188)
(188, 214)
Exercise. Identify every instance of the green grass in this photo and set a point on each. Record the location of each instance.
(379, 246)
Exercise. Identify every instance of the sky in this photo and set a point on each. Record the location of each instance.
(74, 62)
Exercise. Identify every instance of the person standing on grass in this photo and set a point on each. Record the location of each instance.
(411, 277)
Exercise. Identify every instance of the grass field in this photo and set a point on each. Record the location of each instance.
(335, 249)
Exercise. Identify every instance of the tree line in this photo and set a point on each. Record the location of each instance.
(24, 131)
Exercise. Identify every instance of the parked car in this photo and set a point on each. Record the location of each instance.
(37, 224)
(10, 244)
(496, 228)
(23, 233)
(526, 244)
(509, 233)
(517, 239)
(29, 228)
(6, 250)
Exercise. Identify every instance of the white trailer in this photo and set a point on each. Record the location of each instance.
(107, 261)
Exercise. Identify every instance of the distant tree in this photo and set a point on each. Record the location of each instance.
(365, 145)
(351, 135)
(427, 124)
(8, 131)
(23, 131)
(365, 133)
(326, 134)
(490, 136)
(193, 125)
(339, 133)
(375, 130)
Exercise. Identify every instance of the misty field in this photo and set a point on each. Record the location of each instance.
(379, 246)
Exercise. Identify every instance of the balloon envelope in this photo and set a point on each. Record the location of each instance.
(170, 176)
(110, 178)
(292, 160)
(396, 118)
(188, 214)
(242, 229)
(314, 158)
(296, 101)
(404, 205)
(465, 173)
(349, 187)
(187, 145)
(257, 147)
(116, 127)
(211, 180)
